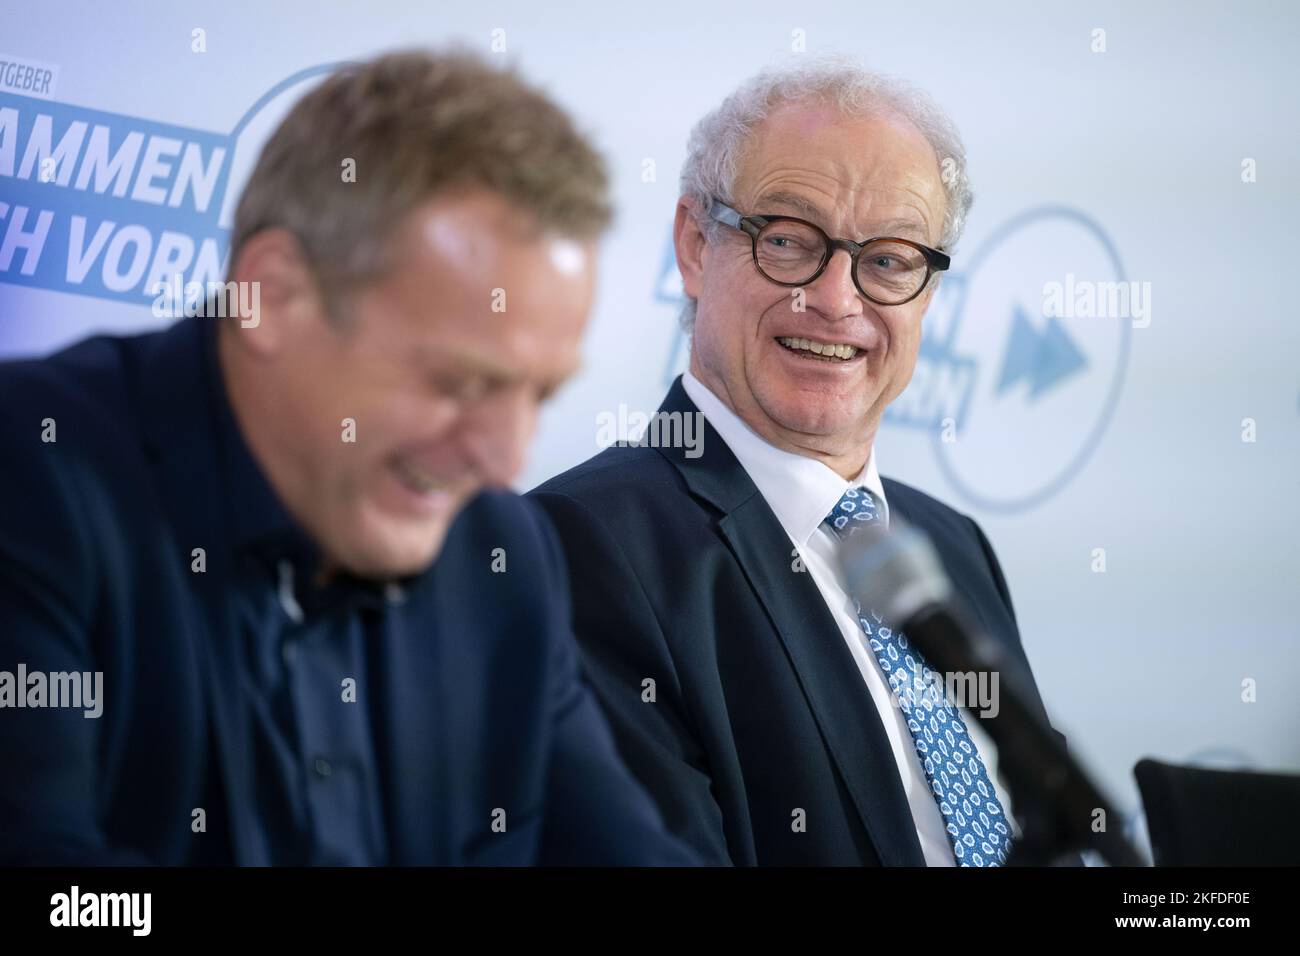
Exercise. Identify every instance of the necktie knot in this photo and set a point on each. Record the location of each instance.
(857, 508)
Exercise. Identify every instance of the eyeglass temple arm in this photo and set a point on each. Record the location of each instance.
(724, 214)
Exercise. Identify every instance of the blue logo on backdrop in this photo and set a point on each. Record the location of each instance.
(1000, 378)
(108, 205)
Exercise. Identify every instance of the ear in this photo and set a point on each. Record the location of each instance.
(690, 246)
(288, 295)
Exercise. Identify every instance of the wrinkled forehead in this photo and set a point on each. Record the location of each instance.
(854, 175)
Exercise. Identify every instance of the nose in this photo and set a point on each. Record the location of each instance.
(833, 293)
(496, 432)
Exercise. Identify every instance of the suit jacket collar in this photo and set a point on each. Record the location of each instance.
(801, 490)
(717, 475)
(832, 686)
(178, 423)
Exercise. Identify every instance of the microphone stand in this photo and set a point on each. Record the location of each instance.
(1060, 809)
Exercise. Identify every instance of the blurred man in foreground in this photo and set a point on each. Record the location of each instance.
(229, 528)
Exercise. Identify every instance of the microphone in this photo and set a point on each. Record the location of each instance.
(899, 575)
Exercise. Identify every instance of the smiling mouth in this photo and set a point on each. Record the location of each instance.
(814, 350)
(415, 478)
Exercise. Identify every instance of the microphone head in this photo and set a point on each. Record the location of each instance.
(894, 572)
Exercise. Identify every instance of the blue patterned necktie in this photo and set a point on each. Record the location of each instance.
(977, 827)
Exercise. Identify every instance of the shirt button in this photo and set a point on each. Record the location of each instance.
(323, 768)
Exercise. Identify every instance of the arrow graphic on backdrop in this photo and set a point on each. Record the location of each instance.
(1044, 358)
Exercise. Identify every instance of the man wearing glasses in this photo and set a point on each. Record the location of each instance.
(774, 720)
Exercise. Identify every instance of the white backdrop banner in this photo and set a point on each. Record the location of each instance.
(1108, 378)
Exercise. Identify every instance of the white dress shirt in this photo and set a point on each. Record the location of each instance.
(801, 492)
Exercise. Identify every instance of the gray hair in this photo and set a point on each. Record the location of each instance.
(718, 140)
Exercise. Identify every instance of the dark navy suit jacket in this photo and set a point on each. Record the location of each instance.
(682, 575)
(477, 704)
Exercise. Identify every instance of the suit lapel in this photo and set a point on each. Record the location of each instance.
(832, 685)
(180, 437)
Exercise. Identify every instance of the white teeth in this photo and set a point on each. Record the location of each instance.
(819, 348)
(419, 480)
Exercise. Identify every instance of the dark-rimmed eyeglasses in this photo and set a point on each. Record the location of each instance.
(794, 252)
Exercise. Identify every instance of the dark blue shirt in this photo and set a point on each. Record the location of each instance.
(470, 701)
(302, 672)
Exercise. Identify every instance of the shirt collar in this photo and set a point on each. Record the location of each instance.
(258, 516)
(260, 523)
(801, 491)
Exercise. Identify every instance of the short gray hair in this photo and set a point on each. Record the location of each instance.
(718, 140)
